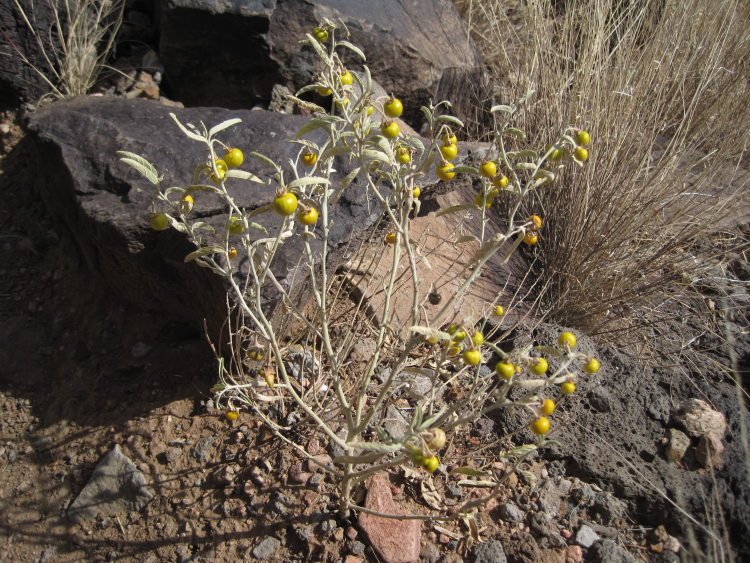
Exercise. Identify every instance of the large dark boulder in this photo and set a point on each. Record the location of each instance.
(232, 53)
(18, 80)
(611, 432)
(105, 203)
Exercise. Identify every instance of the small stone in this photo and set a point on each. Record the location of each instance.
(351, 533)
(42, 443)
(564, 486)
(708, 451)
(573, 554)
(318, 462)
(442, 538)
(358, 548)
(352, 559)
(677, 445)
(394, 422)
(698, 418)
(510, 512)
(224, 475)
(453, 490)
(607, 551)
(586, 537)
(140, 350)
(609, 508)
(116, 485)
(203, 449)
(267, 548)
(549, 497)
(396, 541)
(490, 552)
(297, 475)
(541, 525)
(567, 534)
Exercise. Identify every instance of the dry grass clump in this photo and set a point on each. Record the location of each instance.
(662, 87)
(76, 44)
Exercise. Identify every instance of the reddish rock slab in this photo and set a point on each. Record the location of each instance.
(396, 541)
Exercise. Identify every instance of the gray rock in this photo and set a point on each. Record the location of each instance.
(541, 525)
(267, 548)
(259, 45)
(510, 512)
(19, 81)
(549, 497)
(203, 449)
(140, 350)
(394, 422)
(677, 444)
(585, 536)
(490, 552)
(358, 548)
(609, 508)
(607, 551)
(106, 203)
(115, 486)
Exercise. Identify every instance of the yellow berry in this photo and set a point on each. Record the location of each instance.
(499, 310)
(592, 366)
(540, 425)
(548, 407)
(500, 180)
(567, 340)
(232, 415)
(539, 366)
(505, 369)
(568, 387)
(431, 464)
(477, 338)
(391, 238)
(472, 357)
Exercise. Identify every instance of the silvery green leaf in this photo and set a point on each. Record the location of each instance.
(203, 225)
(467, 238)
(527, 165)
(142, 165)
(526, 96)
(353, 48)
(244, 175)
(317, 123)
(223, 125)
(187, 131)
(415, 142)
(465, 170)
(515, 132)
(306, 181)
(265, 160)
(454, 209)
(174, 189)
(427, 114)
(379, 156)
(527, 153)
(451, 119)
(333, 151)
(318, 49)
(204, 251)
(175, 224)
(530, 383)
(203, 188)
(345, 184)
(258, 210)
(416, 420)
(502, 107)
(370, 457)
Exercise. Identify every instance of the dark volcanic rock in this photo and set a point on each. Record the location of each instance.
(610, 432)
(232, 53)
(106, 203)
(18, 81)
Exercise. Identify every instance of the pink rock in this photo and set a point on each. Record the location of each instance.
(698, 418)
(567, 534)
(573, 554)
(708, 451)
(396, 541)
